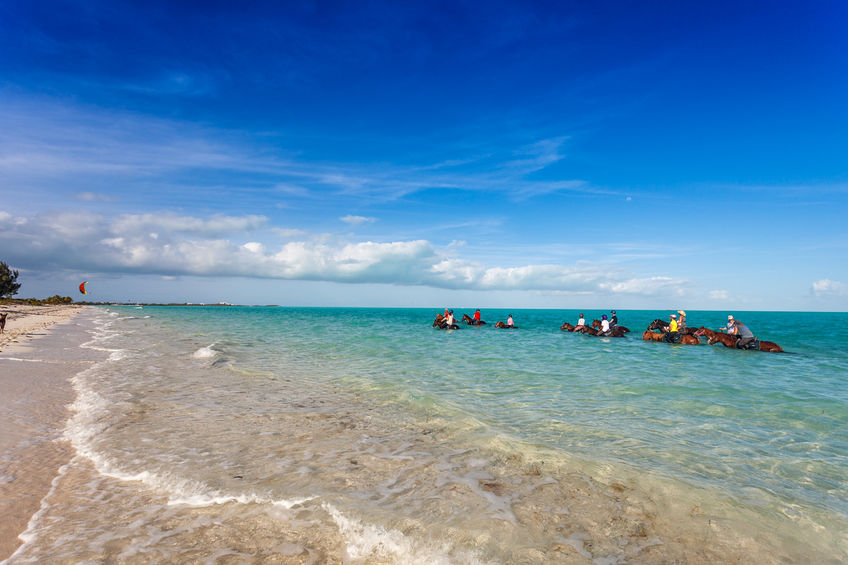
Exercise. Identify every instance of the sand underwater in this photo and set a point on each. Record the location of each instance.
(230, 435)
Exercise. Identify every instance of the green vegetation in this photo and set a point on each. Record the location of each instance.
(53, 300)
(8, 281)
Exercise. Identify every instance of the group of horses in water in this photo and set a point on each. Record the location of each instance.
(692, 336)
(656, 331)
(442, 323)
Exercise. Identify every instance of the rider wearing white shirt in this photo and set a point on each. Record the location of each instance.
(450, 319)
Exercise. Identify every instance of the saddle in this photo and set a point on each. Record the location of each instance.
(672, 337)
(754, 344)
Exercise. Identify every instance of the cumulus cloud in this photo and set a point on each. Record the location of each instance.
(357, 220)
(827, 287)
(170, 245)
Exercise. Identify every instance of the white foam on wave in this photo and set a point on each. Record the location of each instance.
(211, 498)
(91, 418)
(205, 352)
(366, 541)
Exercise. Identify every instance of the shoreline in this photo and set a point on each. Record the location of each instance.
(24, 321)
(35, 393)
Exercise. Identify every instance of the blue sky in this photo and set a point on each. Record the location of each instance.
(492, 154)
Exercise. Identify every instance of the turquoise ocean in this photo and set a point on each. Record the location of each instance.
(346, 435)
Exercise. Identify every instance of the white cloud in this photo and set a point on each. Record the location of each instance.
(214, 226)
(718, 295)
(288, 233)
(186, 245)
(647, 286)
(357, 220)
(827, 287)
(254, 247)
(94, 197)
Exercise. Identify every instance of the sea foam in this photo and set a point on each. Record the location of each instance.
(205, 352)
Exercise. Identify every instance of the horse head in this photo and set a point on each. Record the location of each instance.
(596, 324)
(566, 327)
(466, 318)
(658, 325)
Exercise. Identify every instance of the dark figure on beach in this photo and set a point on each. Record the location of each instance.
(3, 322)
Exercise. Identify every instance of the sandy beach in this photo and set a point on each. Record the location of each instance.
(34, 395)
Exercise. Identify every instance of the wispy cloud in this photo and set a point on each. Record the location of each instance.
(105, 152)
(94, 197)
(357, 220)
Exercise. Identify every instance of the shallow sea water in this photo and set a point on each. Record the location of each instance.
(276, 435)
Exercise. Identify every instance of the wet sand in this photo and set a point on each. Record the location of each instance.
(34, 395)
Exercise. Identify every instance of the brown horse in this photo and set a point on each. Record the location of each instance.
(566, 327)
(471, 321)
(685, 339)
(597, 325)
(442, 323)
(648, 335)
(586, 330)
(663, 327)
(731, 341)
(504, 326)
(614, 331)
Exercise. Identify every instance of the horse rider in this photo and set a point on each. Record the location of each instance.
(477, 316)
(613, 319)
(449, 319)
(746, 336)
(672, 335)
(509, 322)
(681, 321)
(729, 326)
(581, 321)
(605, 325)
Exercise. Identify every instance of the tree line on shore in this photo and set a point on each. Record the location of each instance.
(9, 287)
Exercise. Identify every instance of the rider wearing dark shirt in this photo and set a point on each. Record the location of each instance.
(746, 336)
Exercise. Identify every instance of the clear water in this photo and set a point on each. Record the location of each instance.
(217, 434)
